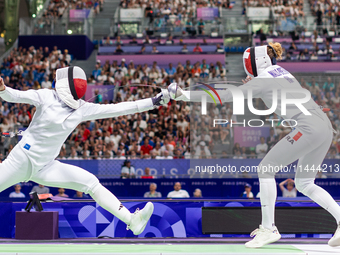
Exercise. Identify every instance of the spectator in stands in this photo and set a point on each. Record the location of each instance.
(149, 13)
(153, 192)
(314, 89)
(313, 56)
(97, 71)
(247, 191)
(142, 50)
(40, 189)
(178, 192)
(169, 40)
(219, 49)
(189, 27)
(237, 149)
(146, 147)
(46, 84)
(147, 40)
(107, 41)
(263, 37)
(261, 148)
(318, 50)
(171, 70)
(302, 55)
(61, 193)
(197, 48)
(328, 50)
(202, 151)
(196, 69)
(118, 41)
(118, 75)
(292, 48)
(290, 191)
(119, 49)
(24, 119)
(80, 194)
(73, 155)
(184, 48)
(98, 97)
(245, 153)
(198, 193)
(128, 171)
(17, 193)
(272, 139)
(328, 85)
(319, 15)
(109, 80)
(134, 41)
(166, 155)
(159, 41)
(66, 57)
(147, 174)
(154, 49)
(201, 25)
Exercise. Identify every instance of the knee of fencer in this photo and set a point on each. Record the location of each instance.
(95, 186)
(267, 179)
(265, 171)
(267, 168)
(303, 185)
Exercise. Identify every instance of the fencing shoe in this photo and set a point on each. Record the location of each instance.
(263, 236)
(140, 218)
(335, 240)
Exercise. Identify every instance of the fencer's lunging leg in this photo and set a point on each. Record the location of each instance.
(14, 169)
(305, 176)
(268, 197)
(318, 195)
(282, 154)
(110, 202)
(57, 174)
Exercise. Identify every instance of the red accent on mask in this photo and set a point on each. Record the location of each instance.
(80, 86)
(247, 63)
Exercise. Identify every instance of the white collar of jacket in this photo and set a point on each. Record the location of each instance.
(71, 85)
(256, 60)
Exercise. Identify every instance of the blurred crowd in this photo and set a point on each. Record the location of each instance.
(283, 8)
(176, 16)
(58, 9)
(177, 130)
(312, 52)
(123, 74)
(187, 6)
(326, 11)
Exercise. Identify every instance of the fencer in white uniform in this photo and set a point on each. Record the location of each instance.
(58, 112)
(308, 142)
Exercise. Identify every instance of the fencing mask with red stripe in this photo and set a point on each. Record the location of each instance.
(71, 85)
(256, 60)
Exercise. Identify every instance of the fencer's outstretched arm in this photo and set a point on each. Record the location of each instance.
(226, 95)
(93, 111)
(31, 96)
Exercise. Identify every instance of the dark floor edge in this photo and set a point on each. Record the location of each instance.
(165, 241)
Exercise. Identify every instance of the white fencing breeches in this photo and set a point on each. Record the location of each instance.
(309, 143)
(17, 168)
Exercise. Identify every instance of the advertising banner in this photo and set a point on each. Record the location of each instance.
(250, 136)
(79, 15)
(207, 13)
(128, 15)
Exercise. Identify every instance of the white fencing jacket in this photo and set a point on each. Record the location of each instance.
(272, 78)
(53, 120)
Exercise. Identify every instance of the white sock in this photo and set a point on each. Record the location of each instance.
(324, 199)
(268, 195)
(110, 203)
